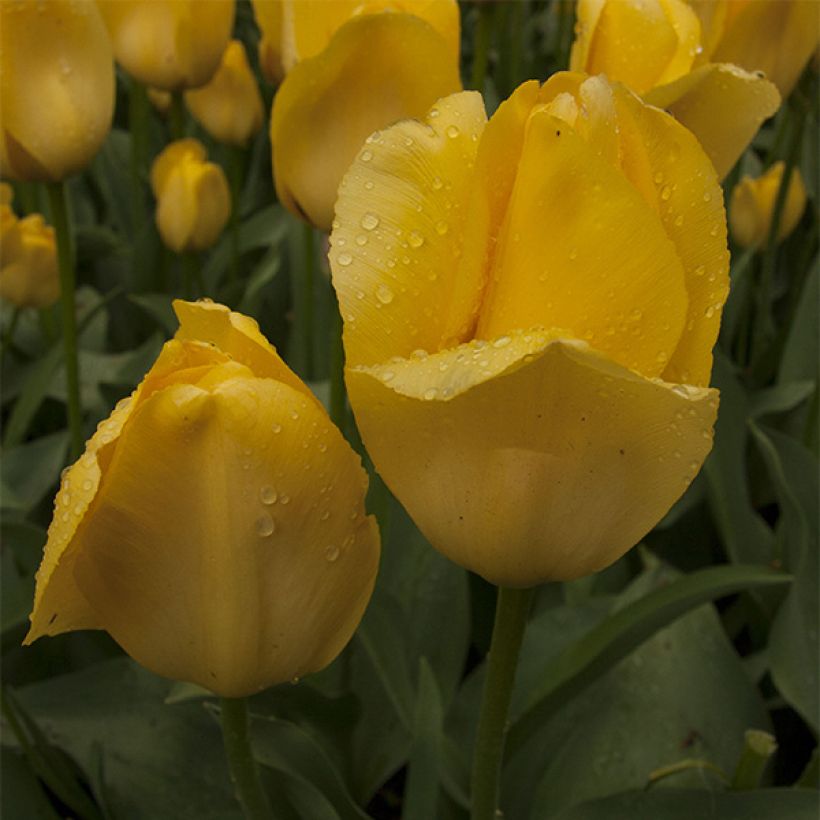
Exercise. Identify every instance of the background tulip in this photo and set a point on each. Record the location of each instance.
(56, 88)
(657, 49)
(193, 200)
(752, 207)
(555, 398)
(215, 525)
(229, 107)
(332, 98)
(169, 44)
(28, 258)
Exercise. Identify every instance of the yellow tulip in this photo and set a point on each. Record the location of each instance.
(752, 207)
(29, 276)
(268, 15)
(56, 88)
(193, 198)
(530, 305)
(229, 108)
(169, 44)
(658, 49)
(215, 525)
(777, 37)
(352, 67)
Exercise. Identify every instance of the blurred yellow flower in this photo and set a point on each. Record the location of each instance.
(656, 48)
(268, 15)
(530, 306)
(229, 107)
(193, 198)
(215, 525)
(352, 67)
(777, 37)
(29, 276)
(169, 44)
(752, 207)
(56, 88)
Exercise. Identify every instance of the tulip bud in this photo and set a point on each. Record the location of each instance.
(752, 207)
(268, 15)
(529, 321)
(215, 525)
(193, 198)
(29, 276)
(56, 88)
(161, 100)
(333, 97)
(169, 44)
(229, 108)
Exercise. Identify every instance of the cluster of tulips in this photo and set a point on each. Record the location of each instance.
(529, 303)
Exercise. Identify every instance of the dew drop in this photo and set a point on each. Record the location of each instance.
(707, 197)
(284, 499)
(331, 553)
(388, 375)
(368, 184)
(678, 221)
(277, 428)
(88, 484)
(268, 494)
(666, 193)
(453, 131)
(699, 270)
(264, 525)
(344, 259)
(369, 222)
(415, 239)
(325, 515)
(430, 393)
(658, 178)
(384, 294)
(502, 341)
(434, 112)
(441, 227)
(437, 184)
(366, 156)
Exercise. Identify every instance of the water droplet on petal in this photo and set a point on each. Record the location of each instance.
(384, 294)
(453, 131)
(268, 494)
(331, 553)
(415, 239)
(369, 221)
(265, 525)
(344, 259)
(366, 156)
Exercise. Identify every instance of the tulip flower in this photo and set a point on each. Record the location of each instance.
(268, 15)
(215, 524)
(777, 37)
(656, 48)
(169, 44)
(193, 200)
(352, 67)
(56, 88)
(752, 207)
(529, 308)
(229, 108)
(28, 258)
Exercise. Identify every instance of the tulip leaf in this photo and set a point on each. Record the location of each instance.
(422, 786)
(288, 748)
(22, 796)
(801, 358)
(793, 651)
(158, 307)
(30, 470)
(584, 661)
(685, 804)
(781, 398)
(263, 274)
(745, 535)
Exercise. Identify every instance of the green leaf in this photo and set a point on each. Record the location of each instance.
(158, 307)
(688, 804)
(30, 470)
(793, 651)
(262, 275)
(601, 648)
(781, 398)
(801, 358)
(22, 797)
(288, 748)
(422, 786)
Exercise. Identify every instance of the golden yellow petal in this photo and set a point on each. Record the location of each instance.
(57, 88)
(213, 202)
(239, 337)
(171, 157)
(722, 105)
(583, 252)
(230, 545)
(398, 232)
(378, 69)
(776, 37)
(677, 179)
(545, 461)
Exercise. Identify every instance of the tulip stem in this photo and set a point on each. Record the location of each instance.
(138, 124)
(511, 611)
(243, 767)
(236, 163)
(481, 46)
(8, 335)
(306, 301)
(177, 115)
(338, 406)
(65, 258)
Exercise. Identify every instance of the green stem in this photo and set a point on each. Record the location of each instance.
(8, 336)
(508, 631)
(138, 106)
(192, 282)
(242, 764)
(306, 306)
(65, 258)
(177, 115)
(514, 43)
(338, 406)
(481, 46)
(236, 172)
(758, 749)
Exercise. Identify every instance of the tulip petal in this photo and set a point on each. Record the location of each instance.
(397, 235)
(512, 456)
(676, 178)
(376, 70)
(239, 337)
(606, 273)
(200, 502)
(722, 105)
